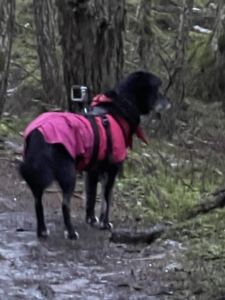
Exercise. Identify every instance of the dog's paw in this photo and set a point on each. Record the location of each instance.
(43, 233)
(71, 236)
(93, 221)
(105, 226)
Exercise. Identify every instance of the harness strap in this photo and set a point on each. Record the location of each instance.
(94, 156)
(109, 148)
(106, 124)
(126, 138)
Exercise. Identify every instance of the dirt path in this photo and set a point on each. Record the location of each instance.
(91, 268)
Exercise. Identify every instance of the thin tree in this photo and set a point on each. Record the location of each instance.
(92, 43)
(143, 16)
(7, 19)
(177, 85)
(218, 40)
(181, 50)
(45, 21)
(218, 48)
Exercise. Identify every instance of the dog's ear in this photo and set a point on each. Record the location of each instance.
(154, 80)
(141, 89)
(111, 94)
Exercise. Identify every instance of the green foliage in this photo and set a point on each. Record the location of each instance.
(24, 51)
(197, 3)
(131, 7)
(162, 183)
(165, 21)
(199, 52)
(201, 3)
(202, 83)
(13, 125)
(132, 2)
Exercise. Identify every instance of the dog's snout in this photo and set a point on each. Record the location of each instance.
(168, 105)
(162, 104)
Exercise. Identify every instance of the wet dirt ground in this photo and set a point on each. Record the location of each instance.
(91, 268)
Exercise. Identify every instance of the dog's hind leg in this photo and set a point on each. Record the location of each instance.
(107, 181)
(70, 233)
(37, 190)
(91, 181)
(37, 172)
(65, 175)
(41, 227)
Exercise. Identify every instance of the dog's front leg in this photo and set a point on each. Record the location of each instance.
(107, 181)
(70, 233)
(91, 181)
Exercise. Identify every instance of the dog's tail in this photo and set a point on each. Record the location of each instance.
(35, 169)
(26, 171)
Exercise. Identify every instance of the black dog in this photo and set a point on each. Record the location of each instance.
(100, 138)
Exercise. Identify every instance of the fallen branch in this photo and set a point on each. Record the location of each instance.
(217, 192)
(143, 236)
(208, 205)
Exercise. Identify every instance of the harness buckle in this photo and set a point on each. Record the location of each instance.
(105, 121)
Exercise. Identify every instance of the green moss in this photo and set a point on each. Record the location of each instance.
(24, 51)
(199, 53)
(165, 21)
(131, 6)
(201, 3)
(203, 64)
(13, 126)
(132, 2)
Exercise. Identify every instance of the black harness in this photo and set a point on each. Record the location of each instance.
(105, 122)
(94, 156)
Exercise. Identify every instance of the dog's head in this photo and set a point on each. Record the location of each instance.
(143, 89)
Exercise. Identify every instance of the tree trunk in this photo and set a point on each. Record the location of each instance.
(92, 43)
(7, 18)
(218, 48)
(45, 22)
(219, 31)
(144, 21)
(177, 92)
(183, 33)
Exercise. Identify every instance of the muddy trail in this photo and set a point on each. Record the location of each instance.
(91, 268)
